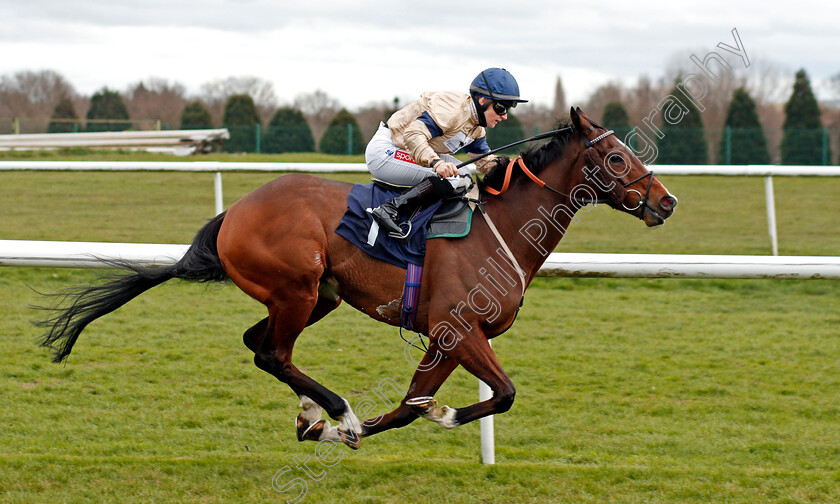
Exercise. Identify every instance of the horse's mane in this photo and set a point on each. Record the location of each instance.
(535, 158)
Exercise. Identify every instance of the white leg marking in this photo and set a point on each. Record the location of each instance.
(447, 417)
(444, 415)
(329, 433)
(348, 422)
(311, 410)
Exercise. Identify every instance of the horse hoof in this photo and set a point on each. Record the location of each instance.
(302, 425)
(421, 406)
(307, 432)
(350, 438)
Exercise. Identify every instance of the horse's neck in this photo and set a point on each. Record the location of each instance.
(532, 219)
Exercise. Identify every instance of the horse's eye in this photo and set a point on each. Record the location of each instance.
(616, 159)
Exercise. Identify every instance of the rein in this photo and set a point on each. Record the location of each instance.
(583, 201)
(547, 134)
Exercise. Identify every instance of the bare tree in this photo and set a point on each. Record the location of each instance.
(370, 116)
(31, 97)
(535, 117)
(714, 95)
(769, 86)
(215, 94)
(156, 99)
(318, 108)
(762, 79)
(768, 81)
(642, 98)
(45, 86)
(610, 92)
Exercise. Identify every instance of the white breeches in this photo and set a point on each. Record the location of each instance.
(389, 163)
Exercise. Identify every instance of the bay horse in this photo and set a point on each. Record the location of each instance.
(278, 244)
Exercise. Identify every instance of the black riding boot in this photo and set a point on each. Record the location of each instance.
(427, 191)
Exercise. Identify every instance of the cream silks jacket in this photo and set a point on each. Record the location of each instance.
(441, 122)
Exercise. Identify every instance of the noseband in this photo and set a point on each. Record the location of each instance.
(642, 199)
(583, 201)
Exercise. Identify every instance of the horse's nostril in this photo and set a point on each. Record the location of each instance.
(668, 202)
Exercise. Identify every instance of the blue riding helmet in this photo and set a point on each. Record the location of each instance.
(498, 85)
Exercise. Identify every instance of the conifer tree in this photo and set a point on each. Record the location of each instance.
(335, 139)
(241, 120)
(684, 141)
(508, 131)
(196, 116)
(615, 118)
(107, 104)
(64, 110)
(743, 142)
(802, 141)
(288, 131)
(559, 109)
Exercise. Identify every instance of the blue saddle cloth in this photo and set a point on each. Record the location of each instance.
(358, 227)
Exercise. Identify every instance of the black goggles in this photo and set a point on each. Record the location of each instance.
(502, 108)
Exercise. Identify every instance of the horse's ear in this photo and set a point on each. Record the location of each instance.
(573, 115)
(579, 120)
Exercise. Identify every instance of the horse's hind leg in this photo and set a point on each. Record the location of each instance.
(255, 335)
(253, 339)
(272, 341)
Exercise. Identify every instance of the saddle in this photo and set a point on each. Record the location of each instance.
(444, 219)
(452, 219)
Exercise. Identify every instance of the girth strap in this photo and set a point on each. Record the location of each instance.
(411, 295)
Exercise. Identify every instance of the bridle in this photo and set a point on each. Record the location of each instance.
(643, 200)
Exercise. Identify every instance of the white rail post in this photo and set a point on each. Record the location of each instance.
(488, 442)
(217, 184)
(771, 214)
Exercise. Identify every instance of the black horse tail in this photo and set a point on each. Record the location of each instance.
(80, 306)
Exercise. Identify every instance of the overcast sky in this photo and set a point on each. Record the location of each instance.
(361, 51)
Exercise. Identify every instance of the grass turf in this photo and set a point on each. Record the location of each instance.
(628, 390)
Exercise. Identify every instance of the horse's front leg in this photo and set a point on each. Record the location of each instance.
(474, 353)
(434, 368)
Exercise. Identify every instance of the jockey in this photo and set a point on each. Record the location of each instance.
(415, 147)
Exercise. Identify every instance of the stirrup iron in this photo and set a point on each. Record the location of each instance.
(404, 235)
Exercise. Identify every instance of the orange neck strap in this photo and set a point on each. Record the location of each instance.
(509, 173)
